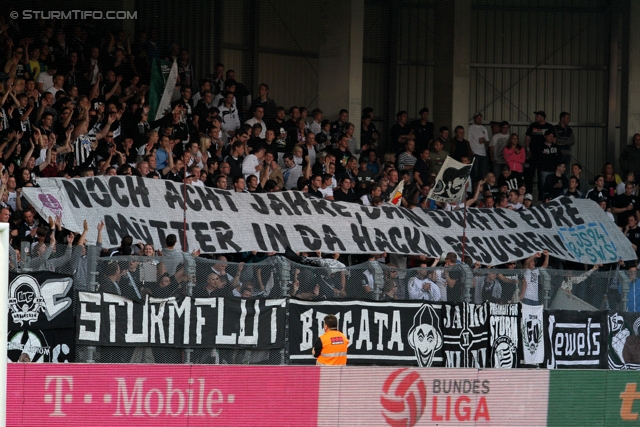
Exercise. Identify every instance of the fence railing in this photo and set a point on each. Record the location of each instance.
(276, 277)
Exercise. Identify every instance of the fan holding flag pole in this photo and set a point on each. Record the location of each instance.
(450, 187)
(163, 81)
(396, 195)
(450, 184)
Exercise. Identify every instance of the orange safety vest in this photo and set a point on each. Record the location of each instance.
(334, 349)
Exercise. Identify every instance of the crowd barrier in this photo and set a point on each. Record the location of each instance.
(276, 278)
(256, 396)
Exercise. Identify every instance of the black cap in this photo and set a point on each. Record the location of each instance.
(424, 110)
(504, 123)
(540, 113)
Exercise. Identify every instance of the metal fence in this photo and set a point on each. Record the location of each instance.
(276, 277)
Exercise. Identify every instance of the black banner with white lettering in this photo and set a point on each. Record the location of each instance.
(113, 320)
(40, 300)
(42, 345)
(402, 333)
(576, 339)
(466, 335)
(624, 341)
(503, 334)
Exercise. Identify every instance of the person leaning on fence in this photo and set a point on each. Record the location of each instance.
(529, 292)
(421, 287)
(331, 347)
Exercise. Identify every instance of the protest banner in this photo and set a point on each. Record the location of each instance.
(221, 221)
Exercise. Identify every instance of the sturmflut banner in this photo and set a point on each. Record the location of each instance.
(221, 221)
(112, 320)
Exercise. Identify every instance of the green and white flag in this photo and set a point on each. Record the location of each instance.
(163, 81)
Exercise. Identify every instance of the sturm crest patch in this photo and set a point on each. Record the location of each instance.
(25, 301)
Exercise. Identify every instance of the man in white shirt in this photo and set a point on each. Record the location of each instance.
(252, 164)
(422, 288)
(327, 188)
(45, 80)
(229, 115)
(258, 114)
(478, 140)
(58, 82)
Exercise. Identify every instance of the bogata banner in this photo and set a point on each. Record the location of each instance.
(222, 221)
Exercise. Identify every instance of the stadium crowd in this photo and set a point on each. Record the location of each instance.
(74, 102)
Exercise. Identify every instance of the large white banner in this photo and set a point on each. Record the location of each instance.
(222, 221)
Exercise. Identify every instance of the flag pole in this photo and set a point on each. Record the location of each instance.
(464, 222)
(184, 210)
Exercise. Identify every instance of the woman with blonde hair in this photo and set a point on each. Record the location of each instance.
(203, 152)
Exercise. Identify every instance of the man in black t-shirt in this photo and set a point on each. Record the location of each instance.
(337, 127)
(314, 186)
(400, 132)
(423, 130)
(572, 191)
(453, 278)
(421, 172)
(533, 142)
(555, 183)
(625, 205)
(598, 192)
(633, 233)
(344, 192)
(507, 178)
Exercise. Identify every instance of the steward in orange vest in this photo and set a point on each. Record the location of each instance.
(331, 347)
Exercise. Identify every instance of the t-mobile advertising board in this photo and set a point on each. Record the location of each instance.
(177, 395)
(199, 395)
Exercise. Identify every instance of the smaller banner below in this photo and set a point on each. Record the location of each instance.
(379, 332)
(112, 320)
(532, 334)
(40, 300)
(576, 340)
(466, 335)
(503, 334)
(42, 345)
(624, 341)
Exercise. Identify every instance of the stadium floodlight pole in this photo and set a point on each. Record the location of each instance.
(4, 308)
